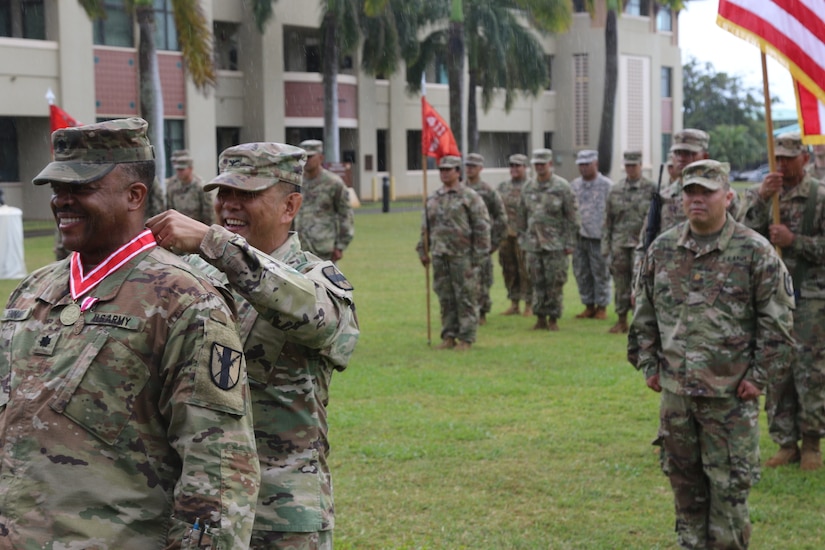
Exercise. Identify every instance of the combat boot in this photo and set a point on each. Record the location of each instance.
(601, 313)
(512, 310)
(588, 313)
(463, 346)
(784, 456)
(528, 310)
(811, 456)
(551, 325)
(446, 343)
(621, 325)
(541, 323)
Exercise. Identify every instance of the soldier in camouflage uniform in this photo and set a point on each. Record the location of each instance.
(796, 402)
(498, 228)
(816, 167)
(589, 266)
(713, 314)
(184, 190)
(627, 204)
(510, 255)
(456, 226)
(325, 222)
(124, 411)
(298, 325)
(548, 223)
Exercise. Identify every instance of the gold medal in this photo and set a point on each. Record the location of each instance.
(70, 314)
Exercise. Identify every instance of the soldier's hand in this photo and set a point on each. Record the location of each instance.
(174, 230)
(337, 255)
(747, 391)
(653, 383)
(780, 235)
(425, 260)
(770, 185)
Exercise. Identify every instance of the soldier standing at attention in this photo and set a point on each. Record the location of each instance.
(548, 222)
(624, 215)
(124, 412)
(184, 190)
(325, 222)
(589, 266)
(510, 255)
(456, 225)
(298, 324)
(498, 228)
(713, 315)
(796, 402)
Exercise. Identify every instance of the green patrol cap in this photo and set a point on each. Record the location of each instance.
(710, 174)
(181, 159)
(449, 161)
(84, 154)
(474, 159)
(519, 159)
(690, 139)
(586, 156)
(542, 156)
(788, 144)
(258, 166)
(632, 157)
(312, 146)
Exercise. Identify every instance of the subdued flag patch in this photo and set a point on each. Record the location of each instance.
(225, 366)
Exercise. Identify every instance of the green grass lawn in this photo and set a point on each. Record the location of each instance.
(529, 441)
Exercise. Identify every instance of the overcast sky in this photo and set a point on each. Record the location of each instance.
(702, 38)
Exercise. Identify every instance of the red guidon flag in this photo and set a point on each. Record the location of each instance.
(793, 31)
(436, 138)
(61, 119)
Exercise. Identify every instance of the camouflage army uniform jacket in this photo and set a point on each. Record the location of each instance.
(709, 316)
(297, 321)
(510, 192)
(625, 212)
(756, 214)
(548, 218)
(190, 199)
(457, 223)
(115, 430)
(591, 197)
(325, 221)
(495, 209)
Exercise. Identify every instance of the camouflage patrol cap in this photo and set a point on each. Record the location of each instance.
(690, 139)
(788, 144)
(312, 146)
(586, 156)
(449, 161)
(84, 154)
(258, 166)
(541, 156)
(519, 159)
(710, 174)
(632, 157)
(181, 159)
(474, 159)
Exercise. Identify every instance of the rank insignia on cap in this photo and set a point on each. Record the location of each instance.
(225, 366)
(336, 277)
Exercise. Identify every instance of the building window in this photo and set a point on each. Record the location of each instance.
(667, 82)
(172, 140)
(302, 50)
(117, 29)
(581, 95)
(579, 6)
(9, 167)
(166, 34)
(413, 149)
(548, 140)
(23, 19)
(637, 7)
(382, 138)
(226, 137)
(664, 19)
(549, 60)
(226, 46)
(666, 142)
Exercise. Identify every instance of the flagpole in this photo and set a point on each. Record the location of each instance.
(426, 238)
(769, 129)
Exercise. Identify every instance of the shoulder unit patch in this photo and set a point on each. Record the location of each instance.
(225, 366)
(337, 278)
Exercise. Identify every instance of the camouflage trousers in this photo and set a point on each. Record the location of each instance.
(485, 282)
(281, 540)
(514, 270)
(621, 268)
(455, 281)
(795, 400)
(592, 275)
(548, 272)
(710, 453)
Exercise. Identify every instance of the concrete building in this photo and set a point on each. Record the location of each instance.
(269, 89)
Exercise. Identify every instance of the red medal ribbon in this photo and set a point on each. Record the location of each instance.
(80, 284)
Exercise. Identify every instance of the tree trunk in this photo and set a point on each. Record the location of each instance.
(472, 113)
(611, 75)
(332, 148)
(455, 72)
(151, 96)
